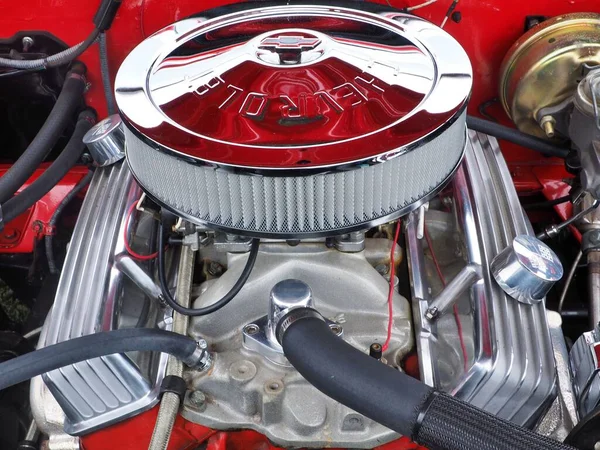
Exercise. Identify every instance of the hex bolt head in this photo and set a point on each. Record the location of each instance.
(27, 43)
(431, 313)
(197, 399)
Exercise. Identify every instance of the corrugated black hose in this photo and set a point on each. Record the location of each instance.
(105, 73)
(69, 100)
(392, 398)
(51, 176)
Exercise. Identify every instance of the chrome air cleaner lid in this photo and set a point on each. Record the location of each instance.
(293, 87)
(294, 121)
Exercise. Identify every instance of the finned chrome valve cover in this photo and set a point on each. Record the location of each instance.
(491, 350)
(295, 121)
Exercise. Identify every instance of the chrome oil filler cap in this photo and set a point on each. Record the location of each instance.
(527, 269)
(106, 141)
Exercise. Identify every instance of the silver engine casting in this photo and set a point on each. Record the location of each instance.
(245, 388)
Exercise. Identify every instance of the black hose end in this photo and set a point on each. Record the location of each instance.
(28, 445)
(106, 14)
(88, 115)
(78, 69)
(292, 317)
(174, 384)
(452, 424)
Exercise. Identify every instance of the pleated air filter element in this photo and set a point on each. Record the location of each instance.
(295, 121)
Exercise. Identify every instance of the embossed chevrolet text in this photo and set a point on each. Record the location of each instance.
(254, 105)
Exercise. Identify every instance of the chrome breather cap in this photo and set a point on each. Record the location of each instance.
(527, 269)
(106, 141)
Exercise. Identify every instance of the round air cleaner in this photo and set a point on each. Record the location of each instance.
(295, 121)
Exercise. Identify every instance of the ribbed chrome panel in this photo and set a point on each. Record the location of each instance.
(297, 205)
(104, 390)
(511, 370)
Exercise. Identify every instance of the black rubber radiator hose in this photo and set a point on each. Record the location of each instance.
(51, 176)
(67, 103)
(391, 398)
(46, 359)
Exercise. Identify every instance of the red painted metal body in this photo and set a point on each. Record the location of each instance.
(135, 434)
(486, 30)
(20, 235)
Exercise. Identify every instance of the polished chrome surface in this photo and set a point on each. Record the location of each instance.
(585, 368)
(93, 295)
(526, 269)
(252, 392)
(305, 205)
(461, 283)
(593, 269)
(139, 275)
(286, 296)
(350, 242)
(48, 415)
(106, 141)
(302, 87)
(509, 369)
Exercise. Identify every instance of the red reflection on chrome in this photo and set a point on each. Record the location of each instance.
(324, 102)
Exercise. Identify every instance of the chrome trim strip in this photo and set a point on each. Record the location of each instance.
(303, 171)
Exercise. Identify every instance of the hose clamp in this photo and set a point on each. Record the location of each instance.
(294, 316)
(423, 410)
(200, 359)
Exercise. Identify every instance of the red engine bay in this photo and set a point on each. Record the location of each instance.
(486, 29)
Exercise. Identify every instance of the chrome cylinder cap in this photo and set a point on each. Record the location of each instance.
(286, 296)
(527, 269)
(106, 141)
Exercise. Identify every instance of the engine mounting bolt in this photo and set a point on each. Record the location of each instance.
(202, 344)
(27, 43)
(197, 399)
(274, 386)
(251, 329)
(547, 123)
